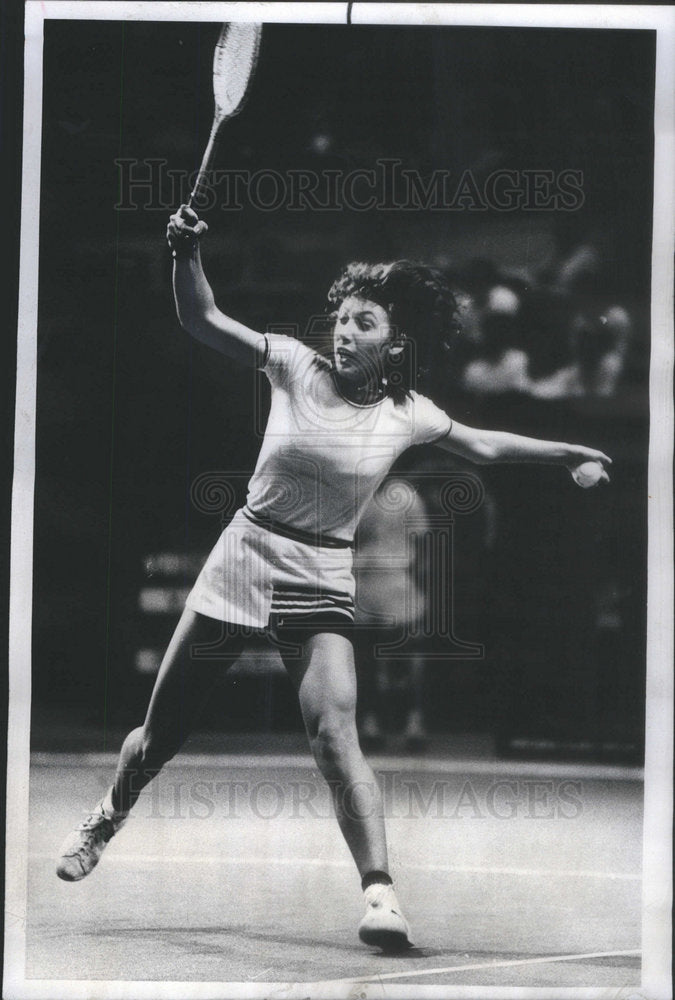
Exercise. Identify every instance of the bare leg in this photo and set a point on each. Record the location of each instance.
(184, 683)
(370, 700)
(325, 680)
(415, 728)
(416, 681)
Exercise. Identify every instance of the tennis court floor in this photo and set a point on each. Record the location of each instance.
(232, 869)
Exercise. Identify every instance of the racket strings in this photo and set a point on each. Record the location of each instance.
(234, 61)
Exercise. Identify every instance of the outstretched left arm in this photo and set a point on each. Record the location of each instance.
(485, 447)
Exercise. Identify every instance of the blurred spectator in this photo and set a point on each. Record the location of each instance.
(502, 366)
(600, 328)
(389, 601)
(552, 371)
(563, 336)
(601, 345)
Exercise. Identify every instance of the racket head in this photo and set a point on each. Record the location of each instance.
(234, 63)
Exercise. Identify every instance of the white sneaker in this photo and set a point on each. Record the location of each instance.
(82, 849)
(384, 925)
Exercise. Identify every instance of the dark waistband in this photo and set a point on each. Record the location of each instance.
(323, 541)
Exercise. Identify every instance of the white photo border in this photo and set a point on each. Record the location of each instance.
(657, 898)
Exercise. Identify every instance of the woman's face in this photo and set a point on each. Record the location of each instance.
(361, 340)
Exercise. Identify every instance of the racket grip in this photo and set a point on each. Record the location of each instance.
(202, 181)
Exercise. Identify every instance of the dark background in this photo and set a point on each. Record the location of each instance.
(130, 411)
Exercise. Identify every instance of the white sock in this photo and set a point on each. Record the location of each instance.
(109, 811)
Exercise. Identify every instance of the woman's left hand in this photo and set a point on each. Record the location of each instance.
(588, 467)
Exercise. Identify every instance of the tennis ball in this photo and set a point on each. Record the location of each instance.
(588, 474)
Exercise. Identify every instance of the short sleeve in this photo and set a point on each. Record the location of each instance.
(430, 423)
(285, 358)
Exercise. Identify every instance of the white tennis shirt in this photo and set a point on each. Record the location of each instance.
(322, 456)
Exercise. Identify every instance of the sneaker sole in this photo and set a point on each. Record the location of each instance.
(389, 941)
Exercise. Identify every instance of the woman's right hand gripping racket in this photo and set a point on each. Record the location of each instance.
(234, 63)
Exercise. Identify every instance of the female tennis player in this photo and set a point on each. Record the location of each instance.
(284, 563)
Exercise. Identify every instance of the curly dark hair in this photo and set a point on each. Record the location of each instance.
(420, 306)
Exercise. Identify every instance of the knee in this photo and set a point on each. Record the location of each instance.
(334, 743)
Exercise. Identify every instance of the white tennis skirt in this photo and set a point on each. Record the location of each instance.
(252, 573)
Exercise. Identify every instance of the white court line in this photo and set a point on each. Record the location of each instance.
(528, 872)
(410, 765)
(540, 960)
(209, 859)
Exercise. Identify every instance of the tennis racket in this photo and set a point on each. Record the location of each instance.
(234, 63)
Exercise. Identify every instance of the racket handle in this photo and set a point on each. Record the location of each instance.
(202, 182)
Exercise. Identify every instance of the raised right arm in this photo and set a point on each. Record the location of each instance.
(195, 304)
